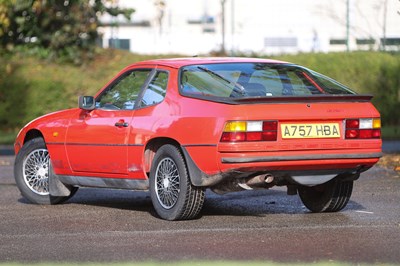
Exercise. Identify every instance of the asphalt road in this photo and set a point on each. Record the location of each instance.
(109, 225)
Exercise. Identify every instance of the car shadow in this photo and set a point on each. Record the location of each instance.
(260, 203)
(247, 203)
(111, 198)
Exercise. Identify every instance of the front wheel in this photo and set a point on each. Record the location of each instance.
(332, 196)
(172, 194)
(32, 171)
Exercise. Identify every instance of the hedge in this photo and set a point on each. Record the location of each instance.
(30, 87)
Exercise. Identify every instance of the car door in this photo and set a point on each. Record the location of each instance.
(97, 140)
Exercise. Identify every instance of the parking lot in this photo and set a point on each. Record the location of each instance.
(112, 225)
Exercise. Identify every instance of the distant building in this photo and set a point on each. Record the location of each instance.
(261, 26)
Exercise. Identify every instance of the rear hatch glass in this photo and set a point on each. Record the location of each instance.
(233, 81)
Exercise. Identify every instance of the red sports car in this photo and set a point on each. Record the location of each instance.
(179, 126)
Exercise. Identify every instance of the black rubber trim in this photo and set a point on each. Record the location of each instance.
(300, 158)
(199, 145)
(117, 183)
(94, 144)
(284, 99)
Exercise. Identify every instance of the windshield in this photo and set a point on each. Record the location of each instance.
(247, 80)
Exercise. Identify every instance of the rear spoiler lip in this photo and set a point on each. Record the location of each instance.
(287, 99)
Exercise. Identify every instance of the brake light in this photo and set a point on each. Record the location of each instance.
(240, 131)
(363, 128)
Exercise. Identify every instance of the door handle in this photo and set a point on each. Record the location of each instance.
(121, 123)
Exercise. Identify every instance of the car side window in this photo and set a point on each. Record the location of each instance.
(122, 95)
(156, 90)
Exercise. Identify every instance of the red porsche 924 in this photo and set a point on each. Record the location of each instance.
(176, 127)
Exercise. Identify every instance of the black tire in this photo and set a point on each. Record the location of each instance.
(32, 170)
(172, 194)
(332, 196)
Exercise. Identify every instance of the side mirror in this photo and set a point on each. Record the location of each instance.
(86, 103)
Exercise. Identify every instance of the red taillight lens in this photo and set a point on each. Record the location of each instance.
(270, 130)
(270, 125)
(233, 136)
(370, 133)
(376, 133)
(352, 133)
(253, 136)
(352, 123)
(270, 135)
(239, 131)
(365, 133)
(363, 128)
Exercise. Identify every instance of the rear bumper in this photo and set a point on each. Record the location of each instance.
(257, 159)
(299, 161)
(281, 164)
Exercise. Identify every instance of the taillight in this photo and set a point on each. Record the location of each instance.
(240, 131)
(363, 128)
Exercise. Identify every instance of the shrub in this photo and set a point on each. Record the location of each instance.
(30, 86)
(387, 92)
(12, 88)
(373, 73)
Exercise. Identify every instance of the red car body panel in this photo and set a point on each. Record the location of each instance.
(88, 143)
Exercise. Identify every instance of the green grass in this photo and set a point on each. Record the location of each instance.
(391, 132)
(357, 70)
(30, 87)
(7, 138)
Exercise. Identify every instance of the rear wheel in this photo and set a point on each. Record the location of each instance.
(332, 196)
(172, 194)
(32, 171)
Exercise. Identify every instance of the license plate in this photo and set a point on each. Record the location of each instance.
(317, 130)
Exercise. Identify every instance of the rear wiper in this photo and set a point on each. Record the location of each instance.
(236, 86)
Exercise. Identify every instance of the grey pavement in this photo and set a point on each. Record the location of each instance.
(100, 225)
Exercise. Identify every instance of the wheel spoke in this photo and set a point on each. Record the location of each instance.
(167, 183)
(36, 167)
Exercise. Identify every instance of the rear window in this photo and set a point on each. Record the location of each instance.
(247, 80)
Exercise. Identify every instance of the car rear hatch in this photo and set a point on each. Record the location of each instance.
(341, 129)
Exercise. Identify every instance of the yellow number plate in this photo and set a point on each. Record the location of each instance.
(319, 130)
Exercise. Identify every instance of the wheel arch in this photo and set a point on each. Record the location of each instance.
(152, 147)
(197, 176)
(23, 138)
(31, 134)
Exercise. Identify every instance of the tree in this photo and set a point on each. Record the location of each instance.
(160, 7)
(223, 2)
(64, 29)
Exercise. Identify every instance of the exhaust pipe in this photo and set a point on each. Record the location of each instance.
(263, 181)
(269, 179)
(259, 181)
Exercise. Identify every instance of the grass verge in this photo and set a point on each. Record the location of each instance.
(7, 138)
